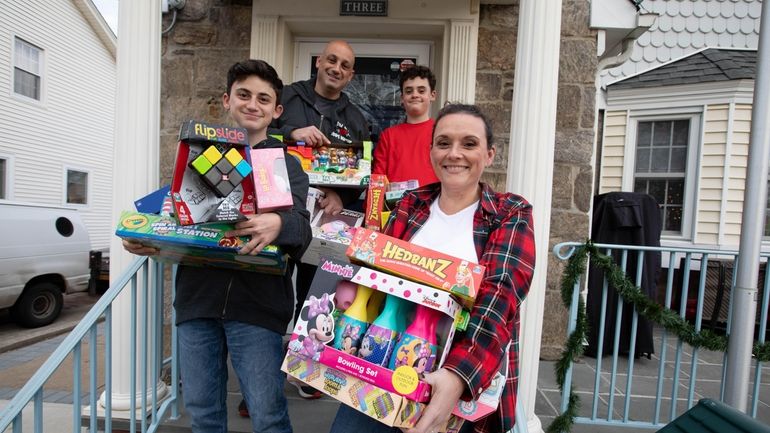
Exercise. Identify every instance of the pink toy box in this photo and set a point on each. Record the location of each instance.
(396, 397)
(271, 180)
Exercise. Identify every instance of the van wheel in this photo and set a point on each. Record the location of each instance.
(38, 306)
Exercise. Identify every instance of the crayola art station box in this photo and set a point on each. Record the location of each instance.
(197, 245)
(459, 277)
(212, 179)
(394, 397)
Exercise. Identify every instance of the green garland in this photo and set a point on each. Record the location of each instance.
(670, 320)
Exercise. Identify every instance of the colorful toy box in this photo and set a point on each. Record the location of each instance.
(197, 245)
(271, 180)
(375, 201)
(394, 397)
(459, 277)
(212, 179)
(331, 235)
(346, 165)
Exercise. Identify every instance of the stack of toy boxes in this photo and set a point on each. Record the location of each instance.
(346, 165)
(418, 277)
(212, 187)
(331, 235)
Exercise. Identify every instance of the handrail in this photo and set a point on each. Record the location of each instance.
(613, 262)
(32, 391)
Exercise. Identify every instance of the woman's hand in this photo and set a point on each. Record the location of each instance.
(447, 387)
(137, 248)
(263, 229)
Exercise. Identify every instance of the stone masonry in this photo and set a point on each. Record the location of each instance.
(573, 159)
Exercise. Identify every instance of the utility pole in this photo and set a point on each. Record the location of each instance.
(752, 225)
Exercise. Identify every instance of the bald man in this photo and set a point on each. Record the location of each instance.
(317, 112)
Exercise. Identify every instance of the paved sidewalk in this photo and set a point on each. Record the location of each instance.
(34, 346)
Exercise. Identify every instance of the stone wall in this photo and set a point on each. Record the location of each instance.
(573, 159)
(208, 37)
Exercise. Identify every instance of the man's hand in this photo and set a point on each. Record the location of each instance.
(263, 229)
(311, 135)
(331, 202)
(137, 248)
(447, 389)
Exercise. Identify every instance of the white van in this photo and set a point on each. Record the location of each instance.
(44, 253)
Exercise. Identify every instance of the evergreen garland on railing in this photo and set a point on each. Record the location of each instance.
(669, 319)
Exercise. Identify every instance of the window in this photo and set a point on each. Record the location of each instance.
(3, 178)
(662, 148)
(77, 187)
(27, 69)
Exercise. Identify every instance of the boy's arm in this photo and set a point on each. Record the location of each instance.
(295, 234)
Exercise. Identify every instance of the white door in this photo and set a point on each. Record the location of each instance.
(375, 84)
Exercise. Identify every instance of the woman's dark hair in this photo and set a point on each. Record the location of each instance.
(471, 110)
(260, 68)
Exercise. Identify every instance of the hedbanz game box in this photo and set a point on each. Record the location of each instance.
(459, 277)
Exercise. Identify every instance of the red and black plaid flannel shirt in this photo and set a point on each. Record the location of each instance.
(505, 244)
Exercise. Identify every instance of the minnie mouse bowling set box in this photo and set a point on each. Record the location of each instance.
(459, 277)
(356, 358)
(197, 245)
(212, 179)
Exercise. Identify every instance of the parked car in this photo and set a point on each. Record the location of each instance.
(44, 254)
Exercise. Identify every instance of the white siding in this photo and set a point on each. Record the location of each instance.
(612, 151)
(712, 172)
(73, 125)
(736, 172)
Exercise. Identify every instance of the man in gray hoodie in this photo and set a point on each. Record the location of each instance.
(318, 113)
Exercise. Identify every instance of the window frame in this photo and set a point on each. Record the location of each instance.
(689, 203)
(42, 71)
(65, 185)
(8, 180)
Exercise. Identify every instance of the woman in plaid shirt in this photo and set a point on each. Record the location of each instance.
(465, 218)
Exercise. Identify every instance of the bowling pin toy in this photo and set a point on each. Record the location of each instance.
(382, 335)
(374, 304)
(417, 346)
(344, 295)
(352, 324)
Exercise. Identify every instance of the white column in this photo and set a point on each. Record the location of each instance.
(135, 170)
(530, 166)
(461, 76)
(264, 38)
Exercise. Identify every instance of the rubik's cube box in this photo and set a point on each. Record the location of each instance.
(197, 245)
(343, 165)
(395, 397)
(442, 271)
(212, 179)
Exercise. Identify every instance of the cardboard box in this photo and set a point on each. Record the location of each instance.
(375, 201)
(271, 180)
(197, 245)
(394, 397)
(345, 165)
(153, 202)
(331, 235)
(225, 193)
(459, 277)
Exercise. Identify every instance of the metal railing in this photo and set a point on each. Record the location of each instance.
(665, 375)
(146, 328)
